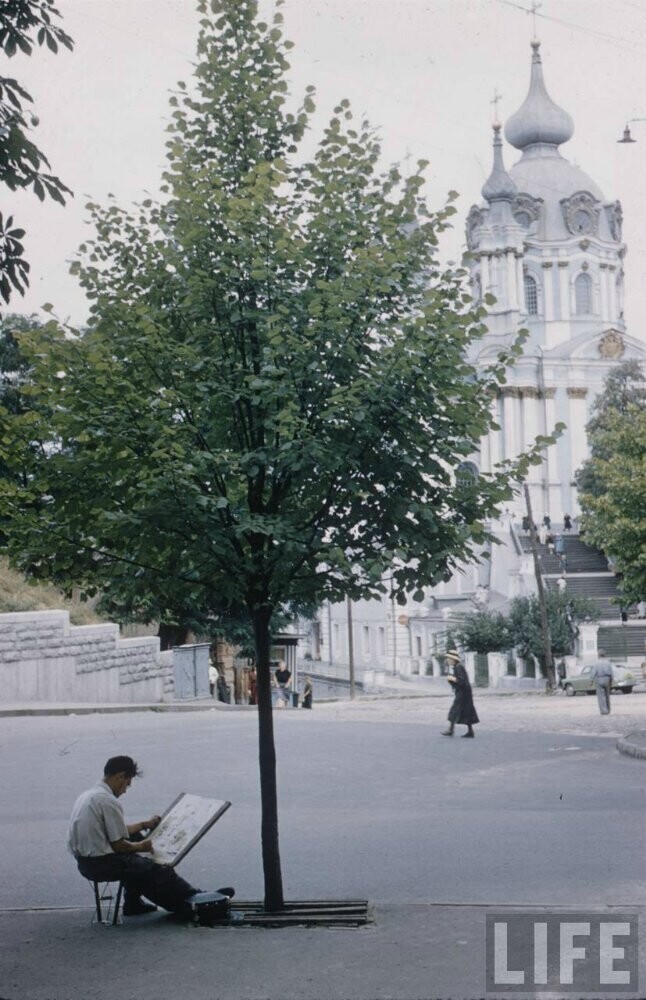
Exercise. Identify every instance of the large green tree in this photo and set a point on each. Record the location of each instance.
(564, 612)
(483, 631)
(612, 482)
(272, 397)
(23, 24)
(488, 631)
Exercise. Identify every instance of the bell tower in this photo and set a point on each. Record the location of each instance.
(547, 244)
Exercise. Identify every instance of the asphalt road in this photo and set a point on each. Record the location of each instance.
(381, 809)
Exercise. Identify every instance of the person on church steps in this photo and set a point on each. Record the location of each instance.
(462, 710)
(108, 850)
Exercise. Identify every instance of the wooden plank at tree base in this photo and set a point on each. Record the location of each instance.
(312, 913)
(323, 904)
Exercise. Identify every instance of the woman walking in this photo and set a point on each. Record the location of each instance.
(462, 710)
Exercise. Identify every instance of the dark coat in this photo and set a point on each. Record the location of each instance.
(462, 710)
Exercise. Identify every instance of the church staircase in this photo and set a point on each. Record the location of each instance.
(579, 557)
(620, 642)
(588, 575)
(602, 590)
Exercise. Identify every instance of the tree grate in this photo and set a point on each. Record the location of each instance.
(303, 913)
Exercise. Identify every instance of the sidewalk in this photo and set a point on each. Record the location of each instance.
(427, 951)
(400, 689)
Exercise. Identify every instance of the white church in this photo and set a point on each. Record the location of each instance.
(547, 243)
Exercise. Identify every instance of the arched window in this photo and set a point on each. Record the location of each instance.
(466, 473)
(583, 295)
(531, 295)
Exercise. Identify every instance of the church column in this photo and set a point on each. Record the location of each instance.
(547, 290)
(604, 305)
(485, 273)
(512, 280)
(499, 279)
(520, 281)
(565, 290)
(553, 499)
(619, 286)
(495, 443)
(530, 431)
(577, 436)
(613, 311)
(511, 421)
(485, 452)
(530, 421)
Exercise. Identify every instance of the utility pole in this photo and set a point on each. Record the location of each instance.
(350, 647)
(545, 625)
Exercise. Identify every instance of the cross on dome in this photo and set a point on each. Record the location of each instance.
(496, 100)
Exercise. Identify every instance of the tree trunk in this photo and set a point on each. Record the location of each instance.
(267, 756)
(548, 660)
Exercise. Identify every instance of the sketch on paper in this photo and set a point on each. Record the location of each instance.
(184, 823)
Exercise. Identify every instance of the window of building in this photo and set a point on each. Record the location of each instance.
(418, 645)
(531, 295)
(583, 295)
(382, 640)
(466, 473)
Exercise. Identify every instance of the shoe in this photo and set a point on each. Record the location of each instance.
(468, 736)
(137, 908)
(227, 891)
(447, 732)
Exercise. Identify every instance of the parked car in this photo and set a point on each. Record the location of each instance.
(622, 680)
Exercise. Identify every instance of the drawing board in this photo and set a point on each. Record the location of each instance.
(184, 823)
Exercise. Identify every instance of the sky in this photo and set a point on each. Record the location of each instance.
(424, 72)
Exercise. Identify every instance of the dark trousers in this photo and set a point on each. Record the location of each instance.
(603, 695)
(141, 877)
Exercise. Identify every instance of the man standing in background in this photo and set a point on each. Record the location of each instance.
(602, 677)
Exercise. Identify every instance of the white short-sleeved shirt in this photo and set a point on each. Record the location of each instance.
(96, 820)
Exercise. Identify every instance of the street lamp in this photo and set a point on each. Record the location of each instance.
(627, 137)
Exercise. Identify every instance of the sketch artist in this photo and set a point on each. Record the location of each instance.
(106, 848)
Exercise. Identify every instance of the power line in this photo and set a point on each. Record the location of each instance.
(634, 6)
(618, 42)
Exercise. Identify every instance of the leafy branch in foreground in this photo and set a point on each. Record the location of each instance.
(23, 24)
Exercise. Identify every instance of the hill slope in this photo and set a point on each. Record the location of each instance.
(17, 594)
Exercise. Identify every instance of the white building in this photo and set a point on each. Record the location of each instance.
(547, 243)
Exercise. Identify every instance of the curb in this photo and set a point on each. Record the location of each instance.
(625, 746)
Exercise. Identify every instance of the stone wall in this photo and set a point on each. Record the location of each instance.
(43, 658)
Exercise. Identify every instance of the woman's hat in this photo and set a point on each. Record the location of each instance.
(452, 654)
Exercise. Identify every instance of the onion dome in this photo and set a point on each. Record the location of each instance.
(499, 186)
(539, 119)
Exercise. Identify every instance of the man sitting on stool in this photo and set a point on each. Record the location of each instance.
(108, 850)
